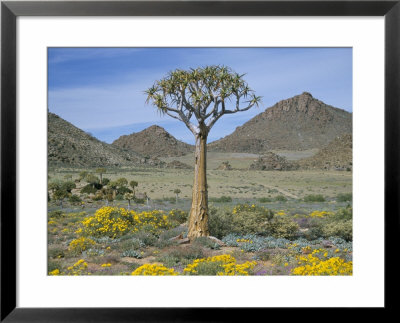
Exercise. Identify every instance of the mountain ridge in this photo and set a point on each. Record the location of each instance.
(154, 141)
(69, 145)
(298, 123)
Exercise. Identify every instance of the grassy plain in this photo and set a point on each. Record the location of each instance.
(299, 227)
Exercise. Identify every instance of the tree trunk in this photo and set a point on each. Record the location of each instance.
(198, 219)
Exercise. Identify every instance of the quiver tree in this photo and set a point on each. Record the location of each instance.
(198, 98)
(101, 171)
(133, 184)
(129, 197)
(177, 191)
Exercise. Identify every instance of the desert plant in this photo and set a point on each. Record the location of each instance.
(177, 191)
(344, 197)
(264, 200)
(88, 189)
(129, 197)
(74, 199)
(101, 171)
(280, 198)
(342, 229)
(314, 198)
(205, 95)
(178, 215)
(222, 199)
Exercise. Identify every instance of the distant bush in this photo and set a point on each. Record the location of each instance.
(119, 197)
(169, 199)
(68, 186)
(314, 198)
(264, 200)
(280, 198)
(88, 189)
(98, 197)
(344, 197)
(74, 198)
(139, 200)
(56, 214)
(222, 199)
(122, 190)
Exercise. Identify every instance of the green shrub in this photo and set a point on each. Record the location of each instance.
(171, 233)
(119, 197)
(131, 244)
(251, 219)
(132, 254)
(98, 197)
(280, 198)
(344, 197)
(315, 230)
(169, 199)
(88, 189)
(341, 229)
(209, 268)
(147, 238)
(219, 222)
(56, 253)
(249, 222)
(74, 198)
(188, 253)
(53, 265)
(68, 186)
(343, 214)
(138, 200)
(281, 227)
(123, 190)
(264, 200)
(178, 215)
(314, 198)
(56, 214)
(222, 199)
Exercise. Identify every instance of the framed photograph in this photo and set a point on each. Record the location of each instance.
(195, 141)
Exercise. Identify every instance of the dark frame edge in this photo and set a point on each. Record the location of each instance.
(8, 295)
(203, 8)
(392, 143)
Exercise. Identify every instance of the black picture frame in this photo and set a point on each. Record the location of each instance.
(10, 10)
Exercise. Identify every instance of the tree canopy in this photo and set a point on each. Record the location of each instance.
(203, 94)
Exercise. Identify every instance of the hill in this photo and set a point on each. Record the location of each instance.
(337, 155)
(69, 145)
(271, 161)
(153, 141)
(299, 123)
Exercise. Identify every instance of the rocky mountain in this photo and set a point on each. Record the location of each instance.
(299, 123)
(69, 145)
(338, 155)
(153, 141)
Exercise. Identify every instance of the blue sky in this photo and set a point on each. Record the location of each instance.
(100, 90)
